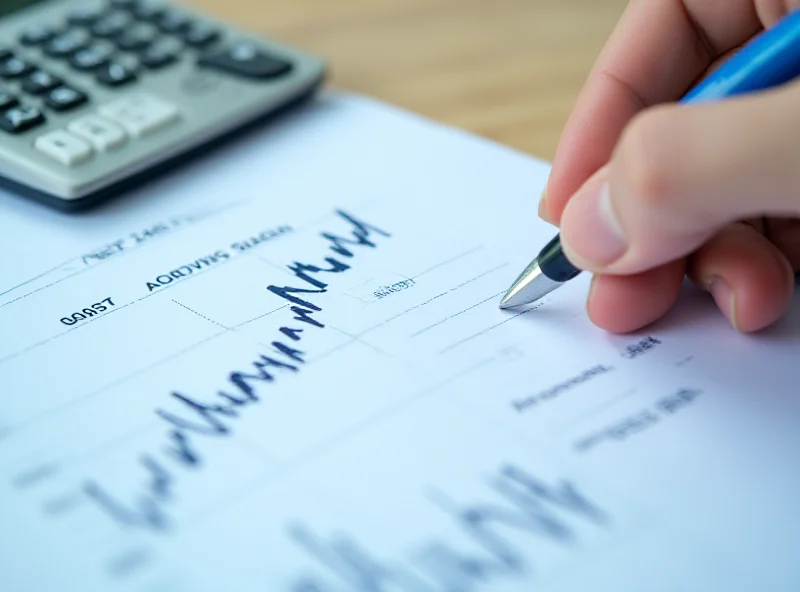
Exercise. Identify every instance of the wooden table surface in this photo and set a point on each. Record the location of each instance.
(506, 69)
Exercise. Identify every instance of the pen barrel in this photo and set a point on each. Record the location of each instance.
(554, 264)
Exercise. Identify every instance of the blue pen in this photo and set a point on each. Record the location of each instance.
(770, 59)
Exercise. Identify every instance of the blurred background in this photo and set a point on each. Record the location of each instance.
(509, 70)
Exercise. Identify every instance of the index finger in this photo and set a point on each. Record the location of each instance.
(658, 49)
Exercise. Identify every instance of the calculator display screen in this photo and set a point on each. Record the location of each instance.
(9, 6)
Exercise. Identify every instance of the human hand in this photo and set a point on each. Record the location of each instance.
(646, 193)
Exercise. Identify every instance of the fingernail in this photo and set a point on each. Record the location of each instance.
(725, 299)
(544, 214)
(590, 233)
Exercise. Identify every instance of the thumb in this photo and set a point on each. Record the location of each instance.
(682, 172)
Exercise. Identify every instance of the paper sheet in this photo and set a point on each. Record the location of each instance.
(284, 368)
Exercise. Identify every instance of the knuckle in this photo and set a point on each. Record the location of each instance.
(645, 155)
(770, 11)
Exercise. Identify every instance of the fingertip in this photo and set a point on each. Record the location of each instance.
(758, 305)
(749, 278)
(621, 304)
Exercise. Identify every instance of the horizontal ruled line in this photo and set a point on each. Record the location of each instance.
(483, 332)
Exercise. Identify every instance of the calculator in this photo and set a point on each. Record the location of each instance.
(99, 95)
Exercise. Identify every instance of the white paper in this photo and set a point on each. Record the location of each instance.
(406, 434)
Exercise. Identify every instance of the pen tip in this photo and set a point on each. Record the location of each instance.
(513, 298)
(506, 302)
(517, 293)
(529, 287)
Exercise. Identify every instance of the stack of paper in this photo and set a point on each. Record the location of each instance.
(284, 368)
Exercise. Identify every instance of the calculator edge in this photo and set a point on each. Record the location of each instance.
(254, 113)
(182, 155)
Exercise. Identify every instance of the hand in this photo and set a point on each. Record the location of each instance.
(647, 192)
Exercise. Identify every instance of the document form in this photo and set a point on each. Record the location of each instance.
(284, 368)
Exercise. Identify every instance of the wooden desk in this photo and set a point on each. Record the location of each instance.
(507, 69)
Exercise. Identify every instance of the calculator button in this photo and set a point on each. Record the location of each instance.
(21, 118)
(64, 147)
(86, 16)
(65, 98)
(173, 22)
(129, 60)
(148, 11)
(66, 44)
(39, 82)
(37, 35)
(14, 68)
(7, 100)
(111, 26)
(200, 35)
(137, 38)
(91, 58)
(116, 74)
(140, 114)
(100, 133)
(5, 52)
(247, 60)
(160, 54)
